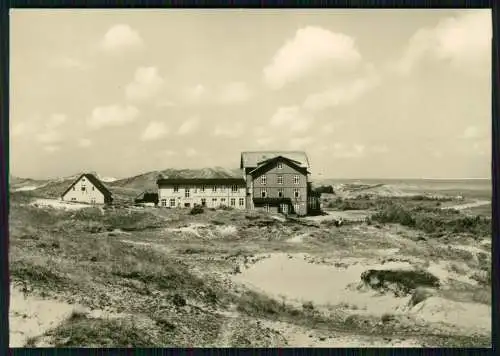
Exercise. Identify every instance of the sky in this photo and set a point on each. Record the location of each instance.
(366, 93)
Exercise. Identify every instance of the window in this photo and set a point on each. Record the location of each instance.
(263, 193)
(296, 207)
(296, 179)
(296, 193)
(164, 202)
(263, 180)
(92, 201)
(280, 165)
(74, 188)
(266, 207)
(73, 199)
(186, 193)
(172, 203)
(214, 200)
(83, 188)
(93, 188)
(83, 179)
(222, 200)
(214, 189)
(187, 205)
(176, 188)
(280, 192)
(280, 179)
(233, 202)
(223, 188)
(234, 188)
(242, 201)
(203, 202)
(202, 189)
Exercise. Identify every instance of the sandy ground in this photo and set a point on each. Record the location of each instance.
(468, 205)
(349, 215)
(58, 204)
(296, 279)
(31, 316)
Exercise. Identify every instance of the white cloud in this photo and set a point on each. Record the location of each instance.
(55, 121)
(341, 150)
(195, 94)
(112, 115)
(188, 126)
(84, 142)
(191, 152)
(235, 93)
(51, 148)
(299, 143)
(67, 63)
(312, 49)
(470, 132)
(49, 136)
(20, 129)
(121, 37)
(291, 117)
(230, 131)
(464, 41)
(342, 95)
(155, 131)
(146, 84)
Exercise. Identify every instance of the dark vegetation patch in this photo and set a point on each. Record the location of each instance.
(401, 282)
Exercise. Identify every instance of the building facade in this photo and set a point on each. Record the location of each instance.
(207, 192)
(276, 181)
(87, 189)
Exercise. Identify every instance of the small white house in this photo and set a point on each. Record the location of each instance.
(87, 189)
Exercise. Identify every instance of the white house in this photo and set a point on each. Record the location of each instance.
(209, 192)
(87, 189)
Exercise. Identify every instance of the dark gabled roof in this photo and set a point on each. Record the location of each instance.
(204, 181)
(95, 181)
(251, 159)
(288, 161)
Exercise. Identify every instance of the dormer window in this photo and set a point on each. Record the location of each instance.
(280, 165)
(263, 180)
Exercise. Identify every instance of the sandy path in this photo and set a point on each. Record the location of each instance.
(467, 206)
(31, 316)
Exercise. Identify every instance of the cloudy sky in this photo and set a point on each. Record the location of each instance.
(367, 93)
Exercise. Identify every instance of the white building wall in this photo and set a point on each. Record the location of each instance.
(223, 195)
(90, 194)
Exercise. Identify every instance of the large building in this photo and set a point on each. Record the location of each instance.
(276, 181)
(209, 192)
(87, 188)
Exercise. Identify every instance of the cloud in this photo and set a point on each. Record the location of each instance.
(341, 150)
(195, 94)
(230, 131)
(463, 41)
(191, 152)
(470, 132)
(67, 63)
(155, 131)
(84, 142)
(188, 126)
(341, 95)
(121, 37)
(298, 143)
(21, 129)
(235, 93)
(146, 84)
(51, 148)
(112, 115)
(312, 49)
(49, 136)
(292, 118)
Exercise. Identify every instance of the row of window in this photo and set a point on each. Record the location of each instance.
(284, 208)
(232, 202)
(279, 179)
(234, 188)
(83, 188)
(296, 193)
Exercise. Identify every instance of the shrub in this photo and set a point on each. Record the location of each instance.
(197, 209)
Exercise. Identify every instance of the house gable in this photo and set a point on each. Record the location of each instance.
(250, 159)
(272, 163)
(92, 180)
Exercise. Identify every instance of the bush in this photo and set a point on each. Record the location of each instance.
(197, 209)
(403, 280)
